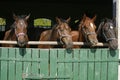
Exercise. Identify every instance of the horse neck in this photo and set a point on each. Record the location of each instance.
(81, 35)
(99, 33)
(53, 33)
(11, 34)
(100, 28)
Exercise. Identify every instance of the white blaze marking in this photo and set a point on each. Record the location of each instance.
(91, 24)
(21, 23)
(111, 27)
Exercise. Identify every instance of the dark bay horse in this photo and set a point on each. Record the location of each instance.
(60, 32)
(86, 32)
(18, 31)
(106, 33)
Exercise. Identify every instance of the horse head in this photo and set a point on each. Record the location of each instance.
(106, 31)
(63, 30)
(20, 26)
(87, 28)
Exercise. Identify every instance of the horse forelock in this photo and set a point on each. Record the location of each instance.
(21, 16)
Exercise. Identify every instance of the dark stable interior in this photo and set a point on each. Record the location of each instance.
(53, 8)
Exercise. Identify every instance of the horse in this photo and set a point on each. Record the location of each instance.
(17, 32)
(86, 32)
(60, 32)
(107, 34)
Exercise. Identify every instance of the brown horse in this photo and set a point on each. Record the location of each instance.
(18, 32)
(86, 32)
(60, 32)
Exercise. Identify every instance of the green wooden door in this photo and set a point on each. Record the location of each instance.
(58, 64)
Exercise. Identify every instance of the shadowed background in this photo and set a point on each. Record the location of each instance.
(52, 8)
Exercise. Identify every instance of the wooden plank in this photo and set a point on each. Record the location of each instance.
(76, 71)
(83, 65)
(57, 63)
(11, 72)
(97, 64)
(18, 65)
(113, 66)
(26, 52)
(4, 65)
(90, 65)
(50, 43)
(53, 62)
(44, 65)
(61, 68)
(69, 66)
(104, 65)
(35, 64)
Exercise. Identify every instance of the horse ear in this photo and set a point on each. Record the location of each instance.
(14, 16)
(114, 20)
(105, 20)
(84, 17)
(27, 17)
(94, 18)
(58, 20)
(99, 29)
(68, 20)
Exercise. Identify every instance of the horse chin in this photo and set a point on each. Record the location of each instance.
(69, 46)
(21, 44)
(113, 44)
(93, 43)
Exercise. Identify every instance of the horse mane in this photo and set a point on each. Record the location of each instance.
(99, 31)
(63, 20)
(12, 31)
(52, 31)
(21, 16)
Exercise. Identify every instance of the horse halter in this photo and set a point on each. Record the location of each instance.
(19, 33)
(62, 35)
(106, 37)
(87, 33)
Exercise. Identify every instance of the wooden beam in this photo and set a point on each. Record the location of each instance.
(50, 43)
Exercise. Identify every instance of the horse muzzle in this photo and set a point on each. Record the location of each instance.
(22, 39)
(21, 43)
(67, 42)
(113, 44)
(93, 42)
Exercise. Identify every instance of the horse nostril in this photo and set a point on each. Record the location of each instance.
(96, 41)
(21, 43)
(69, 45)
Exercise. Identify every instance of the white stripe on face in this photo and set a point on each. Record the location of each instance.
(91, 24)
(111, 27)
